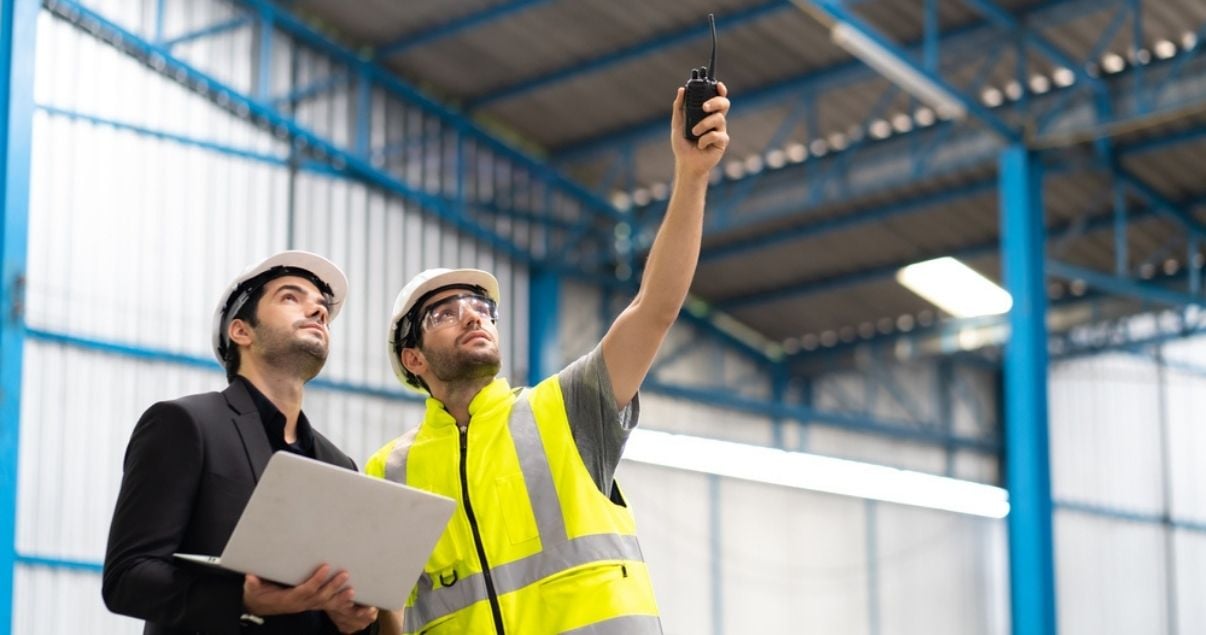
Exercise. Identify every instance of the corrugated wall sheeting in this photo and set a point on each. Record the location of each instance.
(1111, 575)
(1126, 448)
(51, 601)
(1105, 440)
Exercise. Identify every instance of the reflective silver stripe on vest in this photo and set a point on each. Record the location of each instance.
(624, 625)
(516, 575)
(537, 476)
(435, 603)
(395, 463)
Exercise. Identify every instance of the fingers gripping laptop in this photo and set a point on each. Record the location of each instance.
(304, 513)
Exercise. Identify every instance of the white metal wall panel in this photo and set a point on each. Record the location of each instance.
(79, 407)
(659, 412)
(924, 558)
(876, 449)
(793, 561)
(1110, 576)
(1190, 565)
(672, 510)
(1186, 401)
(1105, 433)
(56, 601)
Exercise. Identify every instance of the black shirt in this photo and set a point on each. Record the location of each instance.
(274, 424)
(310, 622)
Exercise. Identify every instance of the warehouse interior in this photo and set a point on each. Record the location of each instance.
(822, 449)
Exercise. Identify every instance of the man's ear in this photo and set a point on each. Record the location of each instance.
(239, 333)
(414, 361)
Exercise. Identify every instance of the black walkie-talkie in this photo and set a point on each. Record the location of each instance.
(700, 88)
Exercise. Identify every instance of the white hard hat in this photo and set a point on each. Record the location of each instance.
(283, 263)
(415, 291)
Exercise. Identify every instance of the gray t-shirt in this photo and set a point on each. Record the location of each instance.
(600, 429)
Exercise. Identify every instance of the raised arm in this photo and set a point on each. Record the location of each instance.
(634, 338)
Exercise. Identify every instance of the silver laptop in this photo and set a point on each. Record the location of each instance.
(304, 513)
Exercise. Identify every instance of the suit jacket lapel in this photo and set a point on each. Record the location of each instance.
(247, 422)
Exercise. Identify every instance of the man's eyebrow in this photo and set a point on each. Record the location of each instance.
(325, 301)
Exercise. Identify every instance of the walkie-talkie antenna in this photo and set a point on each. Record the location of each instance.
(712, 63)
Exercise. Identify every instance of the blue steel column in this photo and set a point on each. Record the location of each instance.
(1027, 467)
(18, 23)
(544, 315)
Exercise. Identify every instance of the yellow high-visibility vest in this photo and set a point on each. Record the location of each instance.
(534, 546)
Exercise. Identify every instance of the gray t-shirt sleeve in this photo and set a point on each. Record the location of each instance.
(600, 429)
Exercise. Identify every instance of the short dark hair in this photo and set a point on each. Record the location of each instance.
(249, 313)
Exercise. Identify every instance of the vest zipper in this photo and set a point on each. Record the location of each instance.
(477, 536)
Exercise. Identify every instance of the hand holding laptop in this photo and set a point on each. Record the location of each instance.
(321, 591)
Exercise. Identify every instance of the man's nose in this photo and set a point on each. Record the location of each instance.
(318, 311)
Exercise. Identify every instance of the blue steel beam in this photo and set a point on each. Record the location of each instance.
(1160, 203)
(920, 156)
(18, 26)
(724, 397)
(640, 49)
(895, 209)
(965, 38)
(1003, 18)
(469, 21)
(1027, 464)
(1118, 285)
(386, 80)
(204, 32)
(837, 12)
(544, 319)
(158, 57)
(846, 280)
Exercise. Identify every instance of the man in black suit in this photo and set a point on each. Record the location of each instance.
(192, 463)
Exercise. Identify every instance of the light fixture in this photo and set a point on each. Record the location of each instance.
(888, 64)
(815, 473)
(955, 288)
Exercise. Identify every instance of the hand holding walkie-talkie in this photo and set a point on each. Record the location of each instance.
(700, 88)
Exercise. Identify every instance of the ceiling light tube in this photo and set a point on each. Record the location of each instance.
(815, 473)
(955, 288)
(891, 66)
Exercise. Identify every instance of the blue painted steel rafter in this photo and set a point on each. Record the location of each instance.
(159, 58)
(18, 27)
(953, 41)
(628, 53)
(204, 32)
(724, 397)
(452, 27)
(387, 81)
(833, 283)
(1123, 286)
(839, 14)
(1003, 18)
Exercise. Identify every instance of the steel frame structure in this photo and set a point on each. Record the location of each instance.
(569, 212)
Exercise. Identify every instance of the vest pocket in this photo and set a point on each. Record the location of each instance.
(516, 508)
(586, 594)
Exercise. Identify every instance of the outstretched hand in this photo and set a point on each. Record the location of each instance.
(701, 156)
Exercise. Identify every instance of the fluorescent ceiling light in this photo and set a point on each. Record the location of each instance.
(891, 66)
(955, 288)
(815, 473)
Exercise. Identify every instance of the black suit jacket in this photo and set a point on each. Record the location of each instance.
(189, 471)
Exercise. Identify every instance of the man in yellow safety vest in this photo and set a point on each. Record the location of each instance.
(541, 541)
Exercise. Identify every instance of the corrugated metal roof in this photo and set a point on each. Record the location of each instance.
(559, 74)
